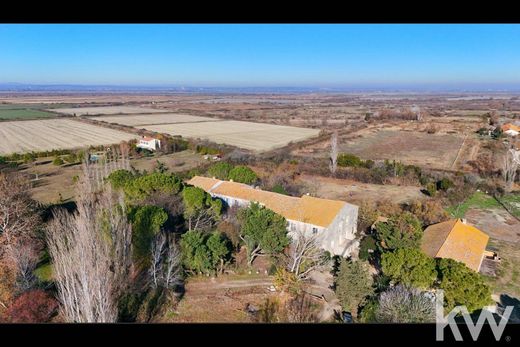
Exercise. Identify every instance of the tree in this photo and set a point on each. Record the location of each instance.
(462, 286)
(34, 306)
(220, 170)
(353, 284)
(510, 163)
(243, 174)
(18, 212)
(195, 253)
(120, 178)
(24, 259)
(146, 223)
(203, 252)
(7, 285)
(138, 188)
(262, 231)
(200, 209)
(91, 253)
(409, 266)
(219, 249)
(401, 304)
(19, 219)
(400, 231)
(333, 165)
(305, 255)
(165, 269)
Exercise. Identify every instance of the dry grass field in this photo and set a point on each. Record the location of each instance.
(148, 119)
(42, 135)
(101, 110)
(248, 135)
(417, 148)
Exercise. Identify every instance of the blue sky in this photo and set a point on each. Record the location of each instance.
(261, 55)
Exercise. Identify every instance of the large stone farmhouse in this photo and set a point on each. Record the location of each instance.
(335, 222)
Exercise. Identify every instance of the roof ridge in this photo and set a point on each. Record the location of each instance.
(447, 234)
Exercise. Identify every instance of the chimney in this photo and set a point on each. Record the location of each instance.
(463, 220)
(308, 194)
(230, 180)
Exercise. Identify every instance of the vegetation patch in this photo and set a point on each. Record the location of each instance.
(478, 200)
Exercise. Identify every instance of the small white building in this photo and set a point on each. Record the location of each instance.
(334, 221)
(149, 143)
(511, 129)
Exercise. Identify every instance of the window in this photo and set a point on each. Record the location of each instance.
(293, 227)
(314, 230)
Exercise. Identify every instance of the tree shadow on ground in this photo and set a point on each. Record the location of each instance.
(506, 300)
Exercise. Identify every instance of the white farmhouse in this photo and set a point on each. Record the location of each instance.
(149, 143)
(334, 221)
(511, 129)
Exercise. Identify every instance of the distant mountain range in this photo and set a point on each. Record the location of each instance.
(22, 87)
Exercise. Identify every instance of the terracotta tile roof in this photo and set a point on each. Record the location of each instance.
(205, 183)
(456, 240)
(510, 126)
(307, 209)
(146, 138)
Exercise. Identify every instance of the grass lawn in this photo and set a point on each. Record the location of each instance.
(478, 200)
(512, 203)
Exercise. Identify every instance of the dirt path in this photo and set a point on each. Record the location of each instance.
(214, 286)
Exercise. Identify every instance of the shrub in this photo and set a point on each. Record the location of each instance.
(431, 188)
(366, 247)
(278, 188)
(347, 159)
(243, 174)
(57, 161)
(34, 306)
(444, 184)
(428, 211)
(220, 170)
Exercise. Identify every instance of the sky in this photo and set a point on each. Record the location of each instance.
(233, 55)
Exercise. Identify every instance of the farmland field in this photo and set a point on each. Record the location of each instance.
(42, 135)
(101, 110)
(248, 135)
(23, 111)
(147, 119)
(417, 148)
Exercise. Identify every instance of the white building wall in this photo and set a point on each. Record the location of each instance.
(339, 238)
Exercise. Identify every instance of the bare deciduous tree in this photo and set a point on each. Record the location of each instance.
(400, 304)
(24, 256)
(510, 163)
(333, 165)
(165, 269)
(91, 252)
(18, 215)
(305, 255)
